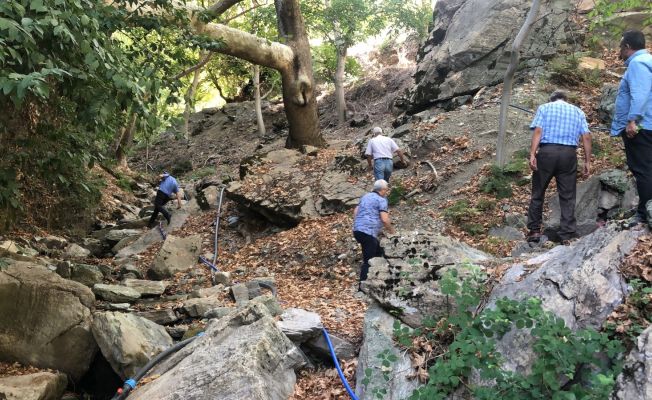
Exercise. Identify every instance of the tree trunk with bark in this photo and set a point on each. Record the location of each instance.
(340, 101)
(125, 142)
(509, 80)
(291, 58)
(259, 110)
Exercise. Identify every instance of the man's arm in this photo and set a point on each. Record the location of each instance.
(586, 142)
(178, 200)
(370, 161)
(536, 138)
(640, 81)
(387, 222)
(355, 211)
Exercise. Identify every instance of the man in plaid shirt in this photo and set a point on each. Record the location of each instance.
(557, 128)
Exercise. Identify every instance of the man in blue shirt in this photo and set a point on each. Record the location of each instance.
(369, 218)
(633, 117)
(167, 187)
(557, 127)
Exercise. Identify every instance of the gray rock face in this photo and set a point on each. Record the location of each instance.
(147, 288)
(285, 172)
(86, 274)
(506, 232)
(116, 235)
(208, 198)
(459, 58)
(116, 293)
(378, 337)
(586, 209)
(240, 294)
(45, 320)
(161, 317)
(580, 283)
(128, 341)
(408, 280)
(199, 307)
(607, 104)
(76, 251)
(39, 386)
(344, 350)
(177, 255)
(635, 382)
(241, 356)
(300, 325)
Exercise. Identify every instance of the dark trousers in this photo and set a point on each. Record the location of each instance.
(639, 160)
(159, 203)
(559, 162)
(370, 249)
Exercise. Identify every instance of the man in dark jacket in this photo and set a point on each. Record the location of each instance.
(168, 187)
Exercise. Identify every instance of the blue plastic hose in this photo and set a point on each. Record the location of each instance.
(337, 365)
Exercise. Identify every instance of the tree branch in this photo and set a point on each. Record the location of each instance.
(192, 69)
(221, 6)
(248, 47)
(241, 13)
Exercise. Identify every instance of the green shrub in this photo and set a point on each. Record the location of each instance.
(562, 355)
(396, 194)
(460, 212)
(200, 173)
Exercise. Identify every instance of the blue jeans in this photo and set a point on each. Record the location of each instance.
(383, 168)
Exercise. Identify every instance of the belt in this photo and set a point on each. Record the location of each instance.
(556, 144)
(382, 158)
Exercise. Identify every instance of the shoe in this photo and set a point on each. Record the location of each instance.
(534, 236)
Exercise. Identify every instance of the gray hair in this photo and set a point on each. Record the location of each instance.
(558, 95)
(377, 130)
(380, 184)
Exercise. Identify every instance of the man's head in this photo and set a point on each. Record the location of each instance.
(163, 176)
(631, 42)
(381, 187)
(558, 95)
(377, 131)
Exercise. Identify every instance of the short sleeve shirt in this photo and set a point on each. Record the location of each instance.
(367, 220)
(169, 186)
(381, 147)
(560, 122)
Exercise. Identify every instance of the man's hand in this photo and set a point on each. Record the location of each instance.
(587, 169)
(533, 162)
(631, 130)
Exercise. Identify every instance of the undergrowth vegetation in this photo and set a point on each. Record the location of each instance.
(568, 364)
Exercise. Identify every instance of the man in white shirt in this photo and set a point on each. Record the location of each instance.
(380, 151)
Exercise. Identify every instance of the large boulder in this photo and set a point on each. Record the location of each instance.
(408, 280)
(128, 341)
(45, 320)
(378, 338)
(586, 209)
(580, 283)
(279, 186)
(241, 356)
(460, 57)
(116, 293)
(86, 274)
(145, 287)
(177, 254)
(300, 325)
(607, 104)
(38, 386)
(635, 382)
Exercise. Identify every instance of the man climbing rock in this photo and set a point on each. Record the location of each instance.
(369, 218)
(380, 152)
(167, 187)
(557, 128)
(633, 117)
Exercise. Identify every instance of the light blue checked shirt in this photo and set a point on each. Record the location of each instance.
(560, 122)
(634, 100)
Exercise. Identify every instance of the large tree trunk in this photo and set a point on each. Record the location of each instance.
(501, 157)
(259, 110)
(298, 82)
(292, 60)
(125, 142)
(340, 101)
